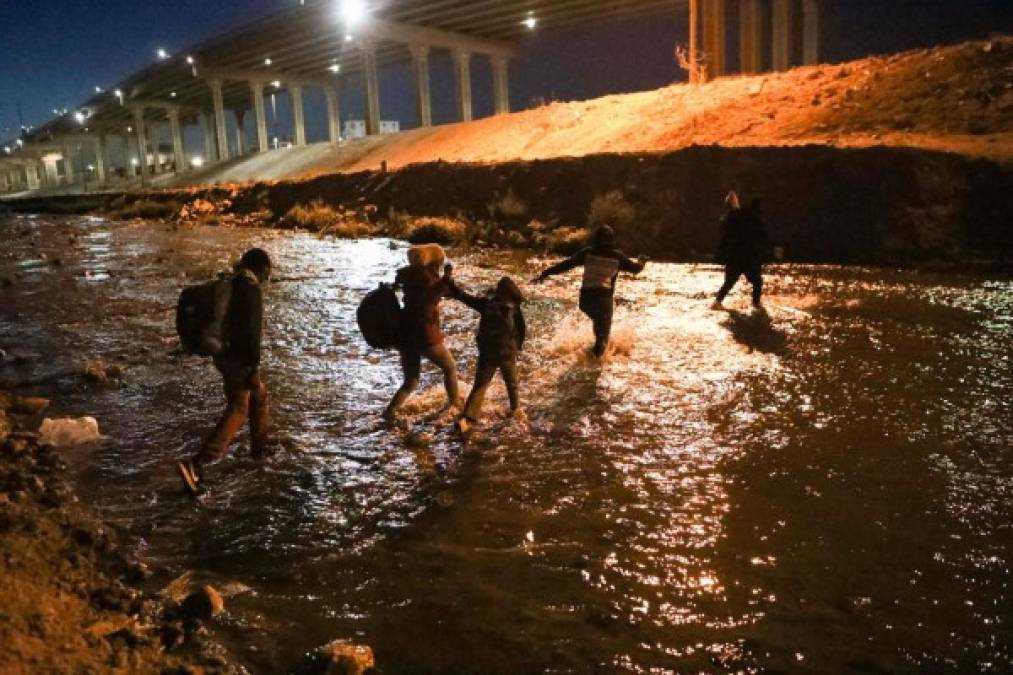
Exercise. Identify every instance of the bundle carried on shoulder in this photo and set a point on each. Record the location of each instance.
(200, 316)
(379, 317)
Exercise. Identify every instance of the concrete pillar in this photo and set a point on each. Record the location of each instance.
(371, 77)
(100, 159)
(501, 84)
(240, 140)
(52, 179)
(333, 114)
(423, 94)
(257, 96)
(4, 181)
(32, 176)
(298, 116)
(714, 42)
(210, 145)
(810, 32)
(68, 165)
(462, 80)
(782, 34)
(176, 131)
(142, 149)
(153, 143)
(750, 36)
(221, 138)
(694, 40)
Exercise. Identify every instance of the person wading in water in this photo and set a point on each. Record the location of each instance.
(420, 333)
(230, 330)
(743, 248)
(602, 264)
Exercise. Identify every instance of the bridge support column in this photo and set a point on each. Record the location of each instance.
(68, 165)
(372, 80)
(782, 34)
(298, 115)
(423, 93)
(462, 73)
(142, 150)
(810, 32)
(240, 114)
(750, 36)
(714, 41)
(210, 146)
(153, 143)
(100, 159)
(333, 114)
(178, 156)
(221, 137)
(257, 95)
(501, 84)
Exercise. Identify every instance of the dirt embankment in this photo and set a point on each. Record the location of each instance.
(71, 599)
(956, 99)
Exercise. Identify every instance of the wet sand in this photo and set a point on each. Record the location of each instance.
(824, 486)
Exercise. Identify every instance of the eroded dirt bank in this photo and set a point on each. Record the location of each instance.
(869, 206)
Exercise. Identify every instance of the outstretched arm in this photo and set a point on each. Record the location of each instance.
(573, 261)
(627, 264)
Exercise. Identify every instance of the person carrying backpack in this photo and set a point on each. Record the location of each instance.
(419, 332)
(501, 333)
(227, 324)
(602, 263)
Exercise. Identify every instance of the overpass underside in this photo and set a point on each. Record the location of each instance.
(134, 133)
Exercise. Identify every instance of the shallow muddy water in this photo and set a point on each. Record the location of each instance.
(826, 487)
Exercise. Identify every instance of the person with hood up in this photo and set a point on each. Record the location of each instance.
(423, 287)
(602, 263)
(501, 333)
(743, 247)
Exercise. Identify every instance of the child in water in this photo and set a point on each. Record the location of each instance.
(501, 333)
(602, 263)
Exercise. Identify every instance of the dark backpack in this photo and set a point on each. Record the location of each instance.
(498, 331)
(379, 317)
(200, 317)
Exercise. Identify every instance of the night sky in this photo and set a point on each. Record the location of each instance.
(54, 52)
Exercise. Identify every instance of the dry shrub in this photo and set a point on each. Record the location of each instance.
(145, 208)
(612, 209)
(566, 240)
(511, 206)
(349, 229)
(435, 230)
(316, 216)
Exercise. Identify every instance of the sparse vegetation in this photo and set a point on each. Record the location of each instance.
(566, 240)
(510, 206)
(145, 208)
(612, 209)
(433, 230)
(316, 216)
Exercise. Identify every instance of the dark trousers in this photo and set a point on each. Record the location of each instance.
(484, 372)
(733, 271)
(411, 366)
(597, 304)
(246, 400)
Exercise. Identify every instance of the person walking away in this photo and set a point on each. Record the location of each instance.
(501, 333)
(602, 264)
(420, 333)
(742, 248)
(237, 358)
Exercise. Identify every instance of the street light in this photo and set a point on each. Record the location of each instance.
(162, 54)
(334, 68)
(530, 22)
(353, 12)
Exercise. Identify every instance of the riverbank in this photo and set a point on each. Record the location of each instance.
(871, 206)
(73, 599)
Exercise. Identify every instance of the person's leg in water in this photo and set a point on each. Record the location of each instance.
(440, 356)
(508, 369)
(260, 417)
(754, 274)
(484, 372)
(411, 366)
(597, 304)
(732, 274)
(237, 382)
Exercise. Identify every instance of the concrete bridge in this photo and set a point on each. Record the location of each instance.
(220, 85)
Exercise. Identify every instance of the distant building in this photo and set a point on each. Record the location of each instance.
(357, 128)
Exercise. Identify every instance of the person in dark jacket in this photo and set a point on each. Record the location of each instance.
(239, 363)
(743, 247)
(501, 333)
(420, 333)
(602, 264)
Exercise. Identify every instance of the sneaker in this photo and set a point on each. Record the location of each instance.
(191, 477)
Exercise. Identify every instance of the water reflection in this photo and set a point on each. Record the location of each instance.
(825, 485)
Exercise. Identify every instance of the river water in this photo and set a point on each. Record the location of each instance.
(824, 487)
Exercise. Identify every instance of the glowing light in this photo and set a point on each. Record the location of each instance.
(197, 162)
(349, 37)
(135, 161)
(162, 54)
(276, 84)
(98, 90)
(79, 117)
(172, 94)
(7, 149)
(530, 22)
(130, 130)
(91, 167)
(190, 61)
(334, 68)
(353, 12)
(268, 62)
